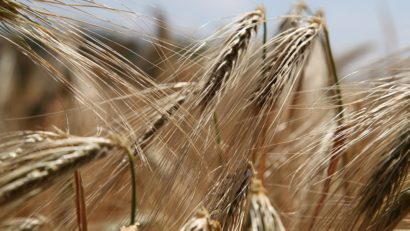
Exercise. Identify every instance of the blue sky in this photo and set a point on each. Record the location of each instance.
(351, 22)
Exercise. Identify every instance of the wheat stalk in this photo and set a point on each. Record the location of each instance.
(80, 202)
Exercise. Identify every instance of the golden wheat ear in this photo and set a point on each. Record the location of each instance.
(286, 56)
(284, 64)
(33, 161)
(227, 60)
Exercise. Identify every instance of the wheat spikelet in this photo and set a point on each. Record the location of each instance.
(262, 216)
(129, 228)
(159, 122)
(233, 198)
(202, 221)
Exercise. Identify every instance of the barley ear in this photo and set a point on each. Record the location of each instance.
(52, 155)
(235, 46)
(286, 57)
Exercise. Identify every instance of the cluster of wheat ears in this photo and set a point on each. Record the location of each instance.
(233, 132)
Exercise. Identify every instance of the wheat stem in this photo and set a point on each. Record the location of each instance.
(80, 202)
(330, 59)
(133, 171)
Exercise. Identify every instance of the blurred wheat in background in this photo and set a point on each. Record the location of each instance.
(106, 127)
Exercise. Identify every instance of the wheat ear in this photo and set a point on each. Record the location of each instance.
(235, 46)
(283, 62)
(33, 160)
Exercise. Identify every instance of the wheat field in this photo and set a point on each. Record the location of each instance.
(107, 127)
